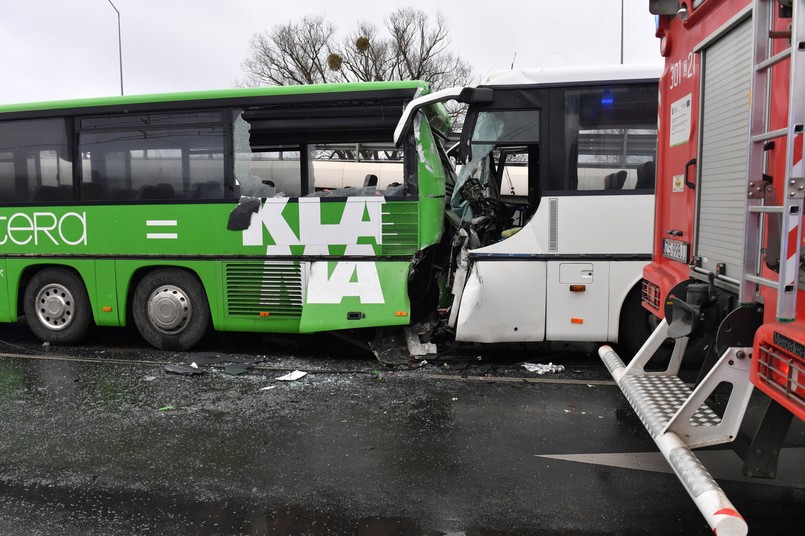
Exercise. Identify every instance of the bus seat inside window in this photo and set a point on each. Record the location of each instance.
(152, 157)
(35, 165)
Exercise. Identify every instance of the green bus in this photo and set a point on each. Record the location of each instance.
(231, 209)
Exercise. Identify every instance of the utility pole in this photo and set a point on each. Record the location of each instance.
(119, 46)
(621, 33)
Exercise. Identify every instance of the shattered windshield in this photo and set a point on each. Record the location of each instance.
(493, 128)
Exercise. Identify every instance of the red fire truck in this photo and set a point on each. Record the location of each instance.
(727, 278)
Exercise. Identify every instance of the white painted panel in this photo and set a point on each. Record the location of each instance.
(585, 224)
(503, 301)
(577, 316)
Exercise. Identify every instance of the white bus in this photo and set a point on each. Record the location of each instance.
(551, 212)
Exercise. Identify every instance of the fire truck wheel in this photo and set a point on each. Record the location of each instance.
(56, 306)
(170, 309)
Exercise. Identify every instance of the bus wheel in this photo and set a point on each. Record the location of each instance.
(170, 309)
(56, 306)
(636, 324)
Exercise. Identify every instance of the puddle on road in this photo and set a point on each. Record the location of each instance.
(302, 522)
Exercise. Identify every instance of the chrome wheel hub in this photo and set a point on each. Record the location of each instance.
(169, 309)
(55, 306)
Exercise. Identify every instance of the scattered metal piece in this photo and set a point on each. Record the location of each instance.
(181, 368)
(237, 368)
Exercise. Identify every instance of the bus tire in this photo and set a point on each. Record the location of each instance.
(636, 324)
(56, 306)
(170, 309)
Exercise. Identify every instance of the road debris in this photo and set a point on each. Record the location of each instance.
(183, 369)
(292, 376)
(542, 368)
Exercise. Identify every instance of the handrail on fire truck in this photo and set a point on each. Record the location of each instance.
(759, 184)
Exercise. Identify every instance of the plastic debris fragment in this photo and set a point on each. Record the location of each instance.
(291, 376)
(542, 368)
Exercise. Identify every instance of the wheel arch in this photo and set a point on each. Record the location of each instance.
(618, 297)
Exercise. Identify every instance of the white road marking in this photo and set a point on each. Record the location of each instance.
(722, 464)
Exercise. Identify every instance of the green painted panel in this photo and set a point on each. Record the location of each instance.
(356, 295)
(106, 295)
(5, 307)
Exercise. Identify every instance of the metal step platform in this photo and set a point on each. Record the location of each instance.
(679, 419)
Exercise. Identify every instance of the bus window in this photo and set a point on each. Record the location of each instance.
(162, 159)
(610, 135)
(34, 161)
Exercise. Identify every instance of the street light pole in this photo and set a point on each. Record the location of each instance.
(119, 46)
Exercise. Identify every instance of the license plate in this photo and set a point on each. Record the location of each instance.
(676, 250)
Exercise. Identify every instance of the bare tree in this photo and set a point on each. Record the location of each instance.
(306, 52)
(421, 49)
(292, 54)
(364, 56)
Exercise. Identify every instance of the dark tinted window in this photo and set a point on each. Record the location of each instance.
(34, 161)
(611, 137)
(155, 162)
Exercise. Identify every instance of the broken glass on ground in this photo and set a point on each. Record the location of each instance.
(234, 365)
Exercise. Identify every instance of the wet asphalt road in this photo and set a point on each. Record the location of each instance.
(93, 446)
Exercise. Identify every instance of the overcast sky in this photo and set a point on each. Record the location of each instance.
(59, 49)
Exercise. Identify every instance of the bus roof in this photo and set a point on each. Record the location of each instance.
(570, 75)
(224, 96)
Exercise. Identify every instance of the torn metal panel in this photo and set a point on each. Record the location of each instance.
(460, 277)
(404, 346)
(414, 340)
(391, 350)
(183, 369)
(241, 216)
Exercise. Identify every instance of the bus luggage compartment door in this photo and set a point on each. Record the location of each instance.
(503, 301)
(577, 305)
